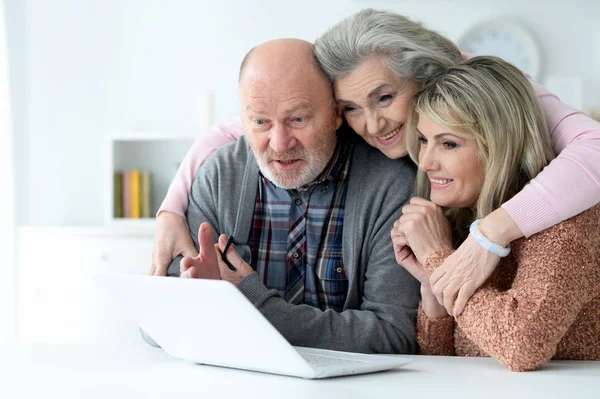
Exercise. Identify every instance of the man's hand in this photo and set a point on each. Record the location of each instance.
(172, 238)
(242, 268)
(424, 227)
(205, 265)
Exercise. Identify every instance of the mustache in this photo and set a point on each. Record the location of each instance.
(269, 155)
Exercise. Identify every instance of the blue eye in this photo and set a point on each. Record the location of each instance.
(261, 124)
(422, 140)
(300, 121)
(386, 98)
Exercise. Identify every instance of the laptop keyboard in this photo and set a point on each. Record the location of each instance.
(326, 361)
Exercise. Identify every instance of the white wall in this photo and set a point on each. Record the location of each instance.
(87, 67)
(7, 199)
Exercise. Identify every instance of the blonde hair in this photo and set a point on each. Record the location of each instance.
(490, 100)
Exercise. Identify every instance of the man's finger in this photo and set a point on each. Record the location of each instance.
(224, 270)
(232, 254)
(206, 242)
(184, 264)
(187, 262)
(187, 273)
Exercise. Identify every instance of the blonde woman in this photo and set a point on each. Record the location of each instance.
(477, 133)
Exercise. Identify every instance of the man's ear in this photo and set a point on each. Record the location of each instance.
(338, 117)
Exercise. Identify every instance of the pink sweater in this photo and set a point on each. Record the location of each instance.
(565, 188)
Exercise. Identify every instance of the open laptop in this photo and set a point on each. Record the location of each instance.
(212, 322)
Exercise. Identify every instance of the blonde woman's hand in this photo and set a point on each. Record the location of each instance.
(425, 228)
(172, 238)
(430, 305)
(406, 258)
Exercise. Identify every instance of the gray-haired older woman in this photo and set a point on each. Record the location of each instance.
(377, 61)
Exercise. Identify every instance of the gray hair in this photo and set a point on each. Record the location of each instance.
(410, 50)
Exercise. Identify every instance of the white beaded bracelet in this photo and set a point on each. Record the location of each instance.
(485, 243)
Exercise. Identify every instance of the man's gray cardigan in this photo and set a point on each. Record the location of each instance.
(380, 310)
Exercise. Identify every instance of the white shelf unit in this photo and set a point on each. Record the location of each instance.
(157, 152)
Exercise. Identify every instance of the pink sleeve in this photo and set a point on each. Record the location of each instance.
(571, 183)
(176, 200)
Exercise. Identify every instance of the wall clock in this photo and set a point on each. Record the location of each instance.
(504, 39)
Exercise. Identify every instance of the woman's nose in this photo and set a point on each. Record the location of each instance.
(427, 160)
(375, 122)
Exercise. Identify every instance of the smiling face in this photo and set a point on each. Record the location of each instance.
(452, 165)
(374, 101)
(288, 113)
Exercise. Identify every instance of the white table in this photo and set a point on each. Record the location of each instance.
(62, 371)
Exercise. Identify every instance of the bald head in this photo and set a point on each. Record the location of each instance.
(282, 56)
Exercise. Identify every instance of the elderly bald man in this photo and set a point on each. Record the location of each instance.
(310, 208)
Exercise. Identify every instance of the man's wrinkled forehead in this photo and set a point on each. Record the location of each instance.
(291, 97)
(294, 106)
(287, 90)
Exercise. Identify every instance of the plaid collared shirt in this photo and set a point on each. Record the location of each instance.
(296, 236)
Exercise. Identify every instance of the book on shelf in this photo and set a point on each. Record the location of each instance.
(135, 194)
(118, 194)
(145, 189)
(126, 194)
(132, 198)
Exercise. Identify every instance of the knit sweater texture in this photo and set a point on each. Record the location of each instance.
(541, 303)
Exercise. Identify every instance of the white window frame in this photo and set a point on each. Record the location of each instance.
(7, 200)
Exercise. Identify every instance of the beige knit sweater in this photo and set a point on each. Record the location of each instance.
(541, 303)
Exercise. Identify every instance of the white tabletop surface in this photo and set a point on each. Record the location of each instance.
(60, 371)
